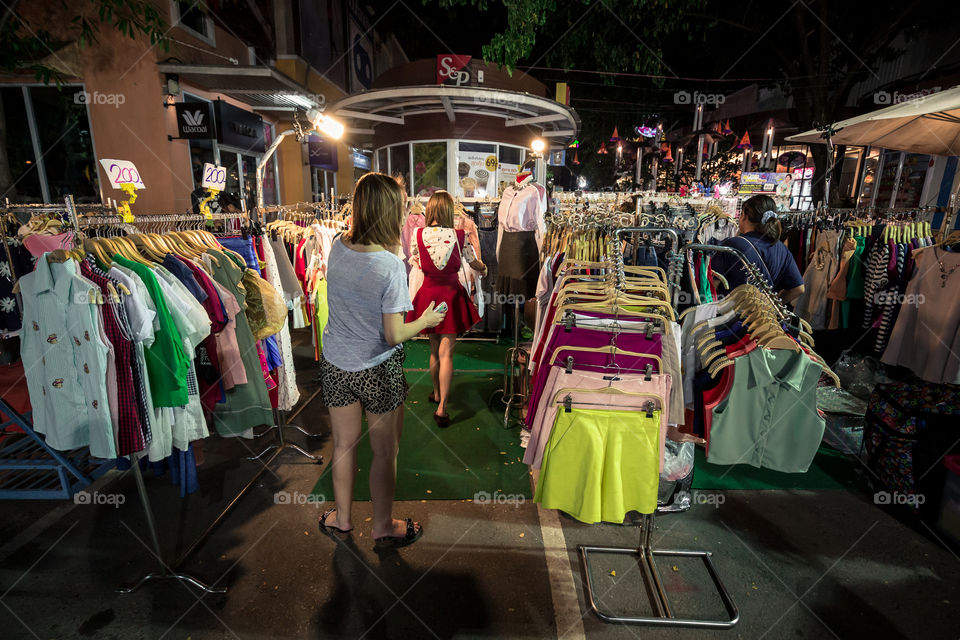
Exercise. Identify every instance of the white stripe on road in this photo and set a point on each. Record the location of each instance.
(566, 603)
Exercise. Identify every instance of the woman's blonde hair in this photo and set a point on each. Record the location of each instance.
(378, 210)
(440, 209)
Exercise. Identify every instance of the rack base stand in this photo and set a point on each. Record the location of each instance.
(647, 558)
(515, 388)
(166, 572)
(282, 444)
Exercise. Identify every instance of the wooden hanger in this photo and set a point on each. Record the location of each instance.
(609, 349)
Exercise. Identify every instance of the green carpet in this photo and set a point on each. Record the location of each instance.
(475, 454)
(469, 356)
(830, 470)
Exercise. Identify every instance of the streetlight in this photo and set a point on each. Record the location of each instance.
(325, 124)
(316, 121)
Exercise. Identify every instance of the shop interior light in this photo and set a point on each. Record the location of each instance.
(538, 145)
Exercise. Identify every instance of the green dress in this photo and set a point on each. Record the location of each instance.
(167, 362)
(247, 405)
(855, 280)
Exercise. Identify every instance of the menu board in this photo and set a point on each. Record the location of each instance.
(476, 174)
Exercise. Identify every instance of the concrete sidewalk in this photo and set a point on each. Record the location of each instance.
(798, 564)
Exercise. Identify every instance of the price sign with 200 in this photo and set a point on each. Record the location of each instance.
(214, 177)
(122, 172)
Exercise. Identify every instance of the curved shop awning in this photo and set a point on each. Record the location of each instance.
(363, 112)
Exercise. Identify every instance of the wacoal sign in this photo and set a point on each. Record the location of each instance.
(193, 120)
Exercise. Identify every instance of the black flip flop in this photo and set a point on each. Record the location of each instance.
(333, 532)
(432, 398)
(413, 534)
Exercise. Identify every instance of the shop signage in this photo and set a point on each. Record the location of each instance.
(764, 183)
(121, 172)
(453, 70)
(557, 158)
(361, 161)
(214, 177)
(193, 120)
(323, 154)
(361, 54)
(239, 128)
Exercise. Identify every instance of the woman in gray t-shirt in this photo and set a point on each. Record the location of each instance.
(362, 360)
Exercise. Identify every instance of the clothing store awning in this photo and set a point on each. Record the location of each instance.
(364, 111)
(263, 88)
(927, 124)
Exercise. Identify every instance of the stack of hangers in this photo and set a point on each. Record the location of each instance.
(605, 359)
(750, 381)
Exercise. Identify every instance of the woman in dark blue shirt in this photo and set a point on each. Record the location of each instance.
(759, 242)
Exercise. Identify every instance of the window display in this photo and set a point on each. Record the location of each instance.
(429, 167)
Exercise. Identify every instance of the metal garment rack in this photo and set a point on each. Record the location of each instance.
(754, 275)
(644, 553)
(516, 387)
(91, 215)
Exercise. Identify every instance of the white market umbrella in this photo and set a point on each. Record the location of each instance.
(927, 124)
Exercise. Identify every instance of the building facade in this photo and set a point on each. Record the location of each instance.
(238, 80)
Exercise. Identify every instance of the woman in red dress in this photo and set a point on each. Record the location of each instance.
(440, 251)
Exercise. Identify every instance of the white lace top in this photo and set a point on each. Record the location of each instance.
(440, 242)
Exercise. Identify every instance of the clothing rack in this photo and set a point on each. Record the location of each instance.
(754, 275)
(644, 553)
(87, 216)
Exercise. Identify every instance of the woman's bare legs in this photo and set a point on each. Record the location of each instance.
(346, 425)
(448, 342)
(435, 364)
(385, 430)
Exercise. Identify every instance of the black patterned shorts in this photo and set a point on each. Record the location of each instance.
(379, 389)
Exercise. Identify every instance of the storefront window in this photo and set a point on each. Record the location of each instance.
(65, 144)
(869, 179)
(323, 182)
(201, 152)
(429, 167)
(228, 160)
(249, 164)
(400, 162)
(476, 169)
(912, 177)
(510, 160)
(382, 161)
(270, 191)
(888, 178)
(848, 176)
(19, 177)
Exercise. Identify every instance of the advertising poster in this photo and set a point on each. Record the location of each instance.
(508, 175)
(476, 174)
(771, 184)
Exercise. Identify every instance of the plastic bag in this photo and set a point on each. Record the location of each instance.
(677, 460)
(860, 374)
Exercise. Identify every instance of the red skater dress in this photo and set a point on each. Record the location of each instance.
(443, 284)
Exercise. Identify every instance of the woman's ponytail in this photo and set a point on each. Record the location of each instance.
(762, 212)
